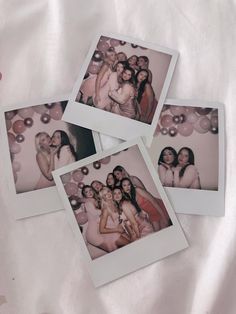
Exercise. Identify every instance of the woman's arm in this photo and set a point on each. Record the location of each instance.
(123, 95)
(166, 175)
(103, 223)
(128, 210)
(100, 75)
(186, 180)
(137, 182)
(45, 168)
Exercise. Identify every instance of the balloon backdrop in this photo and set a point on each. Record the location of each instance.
(81, 218)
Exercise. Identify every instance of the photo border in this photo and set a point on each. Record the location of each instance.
(110, 123)
(139, 253)
(40, 201)
(202, 202)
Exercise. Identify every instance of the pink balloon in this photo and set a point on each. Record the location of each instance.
(177, 110)
(114, 42)
(81, 218)
(19, 126)
(10, 114)
(189, 109)
(11, 138)
(78, 175)
(103, 46)
(16, 166)
(40, 109)
(71, 188)
(26, 112)
(205, 123)
(166, 120)
(105, 160)
(8, 124)
(56, 112)
(214, 121)
(103, 39)
(198, 128)
(191, 117)
(66, 177)
(15, 148)
(185, 128)
(93, 68)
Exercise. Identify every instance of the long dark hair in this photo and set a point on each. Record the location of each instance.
(95, 195)
(65, 142)
(115, 181)
(161, 159)
(190, 159)
(132, 196)
(142, 84)
(131, 80)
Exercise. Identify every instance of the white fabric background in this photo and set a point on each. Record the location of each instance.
(42, 46)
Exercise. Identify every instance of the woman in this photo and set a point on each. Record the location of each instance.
(45, 158)
(65, 151)
(111, 84)
(120, 173)
(93, 235)
(145, 97)
(166, 164)
(97, 185)
(123, 98)
(111, 181)
(138, 219)
(145, 201)
(110, 226)
(132, 62)
(185, 173)
(90, 87)
(143, 64)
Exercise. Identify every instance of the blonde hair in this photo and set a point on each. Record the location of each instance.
(104, 202)
(37, 140)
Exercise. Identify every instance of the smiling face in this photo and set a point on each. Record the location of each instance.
(119, 68)
(141, 62)
(121, 56)
(142, 76)
(88, 192)
(132, 60)
(168, 157)
(126, 186)
(126, 75)
(106, 194)
(183, 157)
(97, 186)
(44, 141)
(117, 195)
(110, 180)
(112, 56)
(56, 139)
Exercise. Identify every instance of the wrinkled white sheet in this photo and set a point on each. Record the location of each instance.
(42, 47)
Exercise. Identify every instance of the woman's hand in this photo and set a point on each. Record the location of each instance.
(54, 150)
(166, 165)
(97, 99)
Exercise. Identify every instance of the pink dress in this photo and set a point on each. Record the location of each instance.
(148, 207)
(126, 108)
(144, 226)
(43, 182)
(93, 235)
(110, 85)
(111, 238)
(144, 107)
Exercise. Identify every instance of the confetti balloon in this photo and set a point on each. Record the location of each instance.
(176, 119)
(185, 129)
(105, 160)
(66, 177)
(164, 131)
(214, 130)
(11, 138)
(40, 109)
(97, 165)
(18, 126)
(122, 43)
(16, 166)
(45, 118)
(71, 188)
(28, 122)
(10, 114)
(177, 110)
(85, 170)
(20, 138)
(166, 120)
(134, 46)
(97, 56)
(8, 124)
(81, 185)
(15, 148)
(205, 123)
(81, 218)
(182, 118)
(173, 131)
(56, 112)
(203, 111)
(26, 112)
(78, 175)
(114, 42)
(191, 117)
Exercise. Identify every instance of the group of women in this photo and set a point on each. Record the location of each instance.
(122, 86)
(121, 211)
(52, 153)
(178, 169)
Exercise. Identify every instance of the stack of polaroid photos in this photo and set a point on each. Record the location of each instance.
(120, 201)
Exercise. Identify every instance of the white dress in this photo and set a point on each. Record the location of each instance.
(65, 158)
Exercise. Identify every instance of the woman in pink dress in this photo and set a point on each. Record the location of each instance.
(145, 201)
(45, 158)
(120, 173)
(145, 97)
(185, 173)
(166, 165)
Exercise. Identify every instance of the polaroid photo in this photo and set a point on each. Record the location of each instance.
(188, 152)
(35, 141)
(119, 211)
(121, 87)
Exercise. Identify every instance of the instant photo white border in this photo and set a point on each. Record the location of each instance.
(36, 202)
(202, 202)
(110, 123)
(137, 254)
